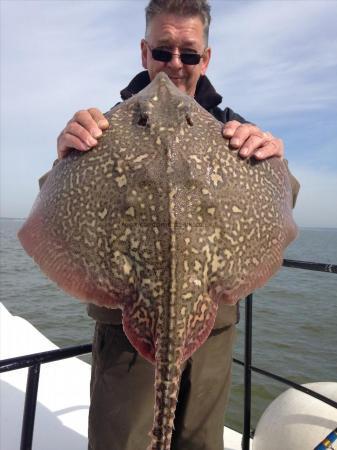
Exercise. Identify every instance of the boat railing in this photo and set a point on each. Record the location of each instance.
(247, 363)
(34, 361)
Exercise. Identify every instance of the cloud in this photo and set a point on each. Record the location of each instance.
(278, 57)
(58, 53)
(58, 57)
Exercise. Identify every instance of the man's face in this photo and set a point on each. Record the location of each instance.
(179, 35)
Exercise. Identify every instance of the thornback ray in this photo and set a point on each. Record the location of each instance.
(164, 221)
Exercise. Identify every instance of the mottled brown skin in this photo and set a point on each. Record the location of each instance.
(165, 222)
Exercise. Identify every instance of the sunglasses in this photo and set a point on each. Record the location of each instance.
(191, 59)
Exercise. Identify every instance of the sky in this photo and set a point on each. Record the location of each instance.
(274, 62)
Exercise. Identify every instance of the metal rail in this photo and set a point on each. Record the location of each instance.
(247, 372)
(248, 368)
(309, 265)
(20, 362)
(34, 361)
(30, 407)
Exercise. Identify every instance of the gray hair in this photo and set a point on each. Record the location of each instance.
(184, 8)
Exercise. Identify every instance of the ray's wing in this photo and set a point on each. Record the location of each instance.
(251, 220)
(75, 230)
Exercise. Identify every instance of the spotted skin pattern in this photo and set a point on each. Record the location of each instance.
(162, 220)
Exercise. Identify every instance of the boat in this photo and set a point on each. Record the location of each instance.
(63, 393)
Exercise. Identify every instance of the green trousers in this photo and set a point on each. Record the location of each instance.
(122, 393)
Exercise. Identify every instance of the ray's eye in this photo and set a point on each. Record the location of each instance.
(143, 119)
(189, 119)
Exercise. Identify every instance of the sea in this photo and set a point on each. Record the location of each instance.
(294, 316)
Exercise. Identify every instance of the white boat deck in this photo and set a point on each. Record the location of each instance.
(63, 395)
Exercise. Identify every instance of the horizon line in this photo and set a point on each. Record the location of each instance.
(299, 226)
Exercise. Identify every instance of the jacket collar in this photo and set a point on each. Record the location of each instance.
(205, 94)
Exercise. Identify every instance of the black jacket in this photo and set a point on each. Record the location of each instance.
(205, 95)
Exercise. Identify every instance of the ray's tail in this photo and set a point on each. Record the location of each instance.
(167, 380)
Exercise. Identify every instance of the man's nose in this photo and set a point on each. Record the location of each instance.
(175, 61)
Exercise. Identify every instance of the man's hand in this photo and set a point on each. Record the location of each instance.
(251, 141)
(81, 131)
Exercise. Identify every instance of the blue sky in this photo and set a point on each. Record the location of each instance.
(274, 62)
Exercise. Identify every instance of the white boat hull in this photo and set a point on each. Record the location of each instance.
(63, 394)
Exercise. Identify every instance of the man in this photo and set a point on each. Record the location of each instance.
(122, 400)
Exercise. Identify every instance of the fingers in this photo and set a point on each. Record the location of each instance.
(99, 118)
(272, 147)
(81, 131)
(230, 128)
(251, 141)
(74, 136)
(89, 120)
(66, 142)
(246, 137)
(247, 143)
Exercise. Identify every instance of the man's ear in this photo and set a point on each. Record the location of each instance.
(144, 50)
(205, 60)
